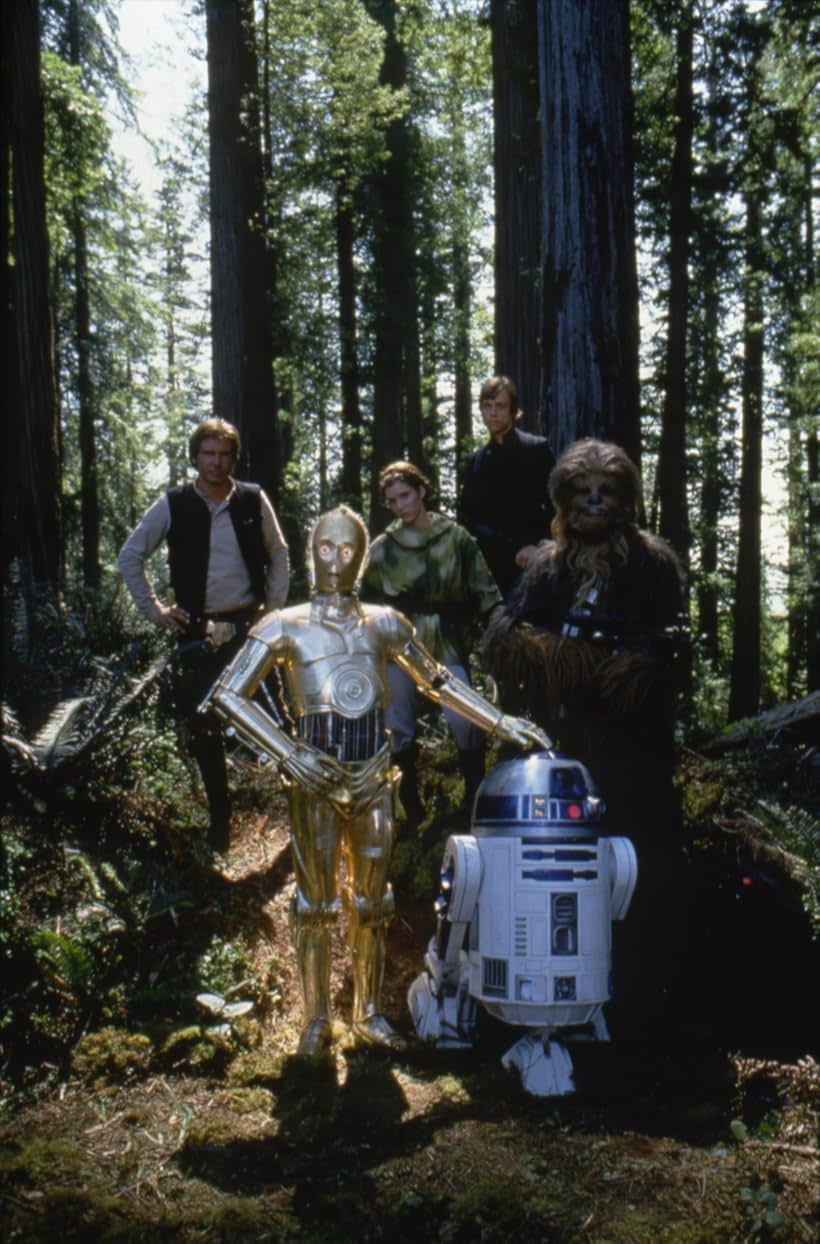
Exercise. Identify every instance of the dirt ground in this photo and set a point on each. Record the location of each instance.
(696, 1143)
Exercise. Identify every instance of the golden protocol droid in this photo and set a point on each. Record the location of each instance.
(334, 652)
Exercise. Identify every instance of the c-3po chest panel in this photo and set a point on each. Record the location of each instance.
(336, 675)
(339, 666)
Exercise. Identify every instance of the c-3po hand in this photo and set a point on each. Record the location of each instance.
(316, 771)
(522, 733)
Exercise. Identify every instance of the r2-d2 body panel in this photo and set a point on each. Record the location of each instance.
(525, 911)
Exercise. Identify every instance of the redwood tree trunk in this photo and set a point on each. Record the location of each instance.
(397, 414)
(813, 629)
(589, 337)
(241, 313)
(89, 496)
(711, 389)
(813, 491)
(462, 284)
(744, 691)
(804, 499)
(32, 501)
(517, 164)
(348, 353)
(462, 308)
(674, 522)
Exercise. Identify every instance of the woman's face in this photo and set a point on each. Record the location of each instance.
(406, 503)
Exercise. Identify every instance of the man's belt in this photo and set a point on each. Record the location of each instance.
(216, 629)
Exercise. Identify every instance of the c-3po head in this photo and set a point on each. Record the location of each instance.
(336, 553)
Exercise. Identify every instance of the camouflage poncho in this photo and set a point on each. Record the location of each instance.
(437, 577)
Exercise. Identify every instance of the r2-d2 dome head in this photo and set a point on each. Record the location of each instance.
(524, 913)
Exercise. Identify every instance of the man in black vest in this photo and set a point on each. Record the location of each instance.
(504, 500)
(228, 563)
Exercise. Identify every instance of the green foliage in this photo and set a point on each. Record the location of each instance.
(797, 831)
(764, 793)
(112, 1055)
(488, 1212)
(760, 1207)
(752, 69)
(223, 967)
(77, 139)
(43, 1162)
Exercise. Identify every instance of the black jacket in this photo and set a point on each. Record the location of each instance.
(504, 500)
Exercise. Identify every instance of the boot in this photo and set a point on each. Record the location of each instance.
(409, 787)
(471, 768)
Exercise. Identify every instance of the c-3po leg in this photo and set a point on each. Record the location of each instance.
(315, 838)
(369, 904)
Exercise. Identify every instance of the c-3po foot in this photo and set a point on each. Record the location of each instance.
(375, 1030)
(315, 1039)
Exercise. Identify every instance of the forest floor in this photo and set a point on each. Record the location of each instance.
(221, 1135)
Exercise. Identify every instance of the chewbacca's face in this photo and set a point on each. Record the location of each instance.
(594, 504)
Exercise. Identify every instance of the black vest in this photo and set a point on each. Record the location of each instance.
(189, 538)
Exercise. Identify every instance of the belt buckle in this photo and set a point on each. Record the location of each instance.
(217, 634)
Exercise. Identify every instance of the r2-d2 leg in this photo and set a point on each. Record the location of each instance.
(443, 1009)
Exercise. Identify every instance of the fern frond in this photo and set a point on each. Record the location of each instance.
(62, 735)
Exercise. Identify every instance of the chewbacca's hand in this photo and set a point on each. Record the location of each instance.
(522, 733)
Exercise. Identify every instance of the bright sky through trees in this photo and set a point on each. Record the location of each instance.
(161, 43)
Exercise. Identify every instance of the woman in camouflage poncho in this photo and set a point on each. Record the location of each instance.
(433, 570)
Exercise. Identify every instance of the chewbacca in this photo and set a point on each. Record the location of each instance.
(592, 636)
(589, 645)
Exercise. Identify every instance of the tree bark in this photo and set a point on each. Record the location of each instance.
(32, 498)
(813, 605)
(348, 352)
(517, 165)
(462, 287)
(289, 517)
(241, 315)
(397, 414)
(812, 481)
(89, 496)
(462, 308)
(744, 692)
(672, 473)
(587, 261)
(803, 594)
(711, 387)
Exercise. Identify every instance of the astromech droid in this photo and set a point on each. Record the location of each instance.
(524, 919)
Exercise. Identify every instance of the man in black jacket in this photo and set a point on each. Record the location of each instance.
(504, 500)
(228, 562)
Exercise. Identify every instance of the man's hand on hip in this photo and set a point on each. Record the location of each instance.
(173, 618)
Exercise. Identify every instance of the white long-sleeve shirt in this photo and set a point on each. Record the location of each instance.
(228, 585)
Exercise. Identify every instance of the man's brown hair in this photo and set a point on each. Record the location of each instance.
(220, 429)
(500, 384)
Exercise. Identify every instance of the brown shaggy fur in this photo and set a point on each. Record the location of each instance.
(553, 675)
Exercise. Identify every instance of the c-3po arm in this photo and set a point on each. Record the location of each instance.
(231, 698)
(436, 682)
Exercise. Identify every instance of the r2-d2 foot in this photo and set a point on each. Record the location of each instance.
(524, 917)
